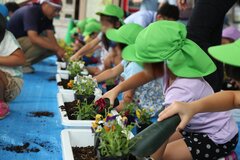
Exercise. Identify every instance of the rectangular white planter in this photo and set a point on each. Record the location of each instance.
(61, 65)
(67, 123)
(75, 137)
(59, 78)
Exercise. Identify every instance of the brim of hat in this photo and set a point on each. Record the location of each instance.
(114, 35)
(54, 5)
(86, 34)
(188, 69)
(229, 53)
(129, 54)
(109, 14)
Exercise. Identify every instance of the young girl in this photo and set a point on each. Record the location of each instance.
(166, 52)
(218, 102)
(148, 95)
(11, 57)
(111, 17)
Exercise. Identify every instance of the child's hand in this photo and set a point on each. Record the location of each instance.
(111, 95)
(183, 109)
(74, 58)
(60, 53)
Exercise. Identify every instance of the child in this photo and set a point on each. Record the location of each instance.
(92, 29)
(229, 35)
(166, 52)
(218, 102)
(11, 57)
(146, 95)
(111, 17)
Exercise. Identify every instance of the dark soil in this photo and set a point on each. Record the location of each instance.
(70, 108)
(42, 114)
(63, 83)
(21, 149)
(44, 144)
(84, 153)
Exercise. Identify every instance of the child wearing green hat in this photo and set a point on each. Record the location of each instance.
(92, 29)
(166, 52)
(148, 95)
(222, 101)
(110, 17)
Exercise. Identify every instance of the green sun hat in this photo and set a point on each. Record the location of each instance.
(165, 41)
(81, 25)
(73, 31)
(89, 20)
(112, 10)
(126, 34)
(228, 53)
(92, 27)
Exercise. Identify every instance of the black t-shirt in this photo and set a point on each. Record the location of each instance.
(28, 18)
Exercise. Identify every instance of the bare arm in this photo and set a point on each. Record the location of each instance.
(46, 42)
(110, 73)
(86, 49)
(15, 59)
(218, 102)
(132, 83)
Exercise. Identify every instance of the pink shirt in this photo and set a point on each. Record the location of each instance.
(219, 126)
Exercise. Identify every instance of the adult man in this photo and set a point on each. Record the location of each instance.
(205, 28)
(144, 18)
(32, 25)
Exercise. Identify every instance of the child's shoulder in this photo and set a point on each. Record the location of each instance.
(9, 44)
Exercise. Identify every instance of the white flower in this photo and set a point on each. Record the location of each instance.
(81, 65)
(97, 94)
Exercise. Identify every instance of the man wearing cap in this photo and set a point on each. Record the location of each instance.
(32, 25)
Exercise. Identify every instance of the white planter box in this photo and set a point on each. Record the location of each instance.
(61, 65)
(59, 78)
(67, 123)
(75, 137)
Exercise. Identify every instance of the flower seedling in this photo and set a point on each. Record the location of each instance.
(85, 111)
(113, 138)
(75, 68)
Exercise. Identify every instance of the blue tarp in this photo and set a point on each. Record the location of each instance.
(20, 127)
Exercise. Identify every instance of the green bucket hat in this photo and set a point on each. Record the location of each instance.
(166, 41)
(92, 27)
(73, 31)
(89, 20)
(228, 53)
(81, 25)
(126, 34)
(112, 10)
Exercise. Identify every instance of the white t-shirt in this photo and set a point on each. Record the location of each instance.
(172, 2)
(143, 18)
(8, 45)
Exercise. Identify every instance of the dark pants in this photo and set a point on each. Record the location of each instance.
(205, 28)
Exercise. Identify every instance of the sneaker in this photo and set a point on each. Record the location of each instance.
(232, 156)
(28, 69)
(4, 109)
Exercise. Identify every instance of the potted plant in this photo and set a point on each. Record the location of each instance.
(103, 105)
(85, 88)
(143, 118)
(110, 84)
(129, 111)
(85, 111)
(75, 68)
(114, 139)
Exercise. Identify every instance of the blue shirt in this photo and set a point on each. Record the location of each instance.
(143, 18)
(149, 95)
(28, 18)
(150, 5)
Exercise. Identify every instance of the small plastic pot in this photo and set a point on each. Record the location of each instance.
(110, 87)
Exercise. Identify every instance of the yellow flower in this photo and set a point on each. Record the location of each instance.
(94, 125)
(98, 117)
(138, 113)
